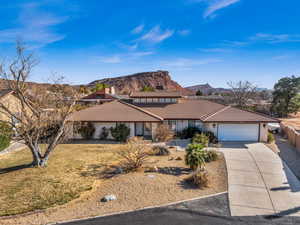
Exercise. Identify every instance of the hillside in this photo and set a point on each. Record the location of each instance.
(207, 89)
(159, 80)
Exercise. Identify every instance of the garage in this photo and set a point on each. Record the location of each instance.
(238, 132)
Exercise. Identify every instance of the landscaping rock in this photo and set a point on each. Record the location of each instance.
(118, 170)
(152, 169)
(108, 198)
(178, 158)
(151, 176)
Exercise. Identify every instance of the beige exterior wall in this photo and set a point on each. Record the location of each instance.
(263, 132)
(12, 103)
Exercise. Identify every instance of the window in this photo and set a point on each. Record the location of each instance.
(143, 100)
(161, 100)
(155, 99)
(150, 100)
(168, 100)
(191, 123)
(174, 100)
(172, 124)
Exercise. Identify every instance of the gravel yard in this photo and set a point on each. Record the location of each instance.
(133, 191)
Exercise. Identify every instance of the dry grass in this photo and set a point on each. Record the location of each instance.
(65, 178)
(75, 168)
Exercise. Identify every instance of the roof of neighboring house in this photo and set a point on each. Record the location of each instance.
(4, 92)
(156, 94)
(115, 111)
(232, 114)
(186, 109)
(99, 95)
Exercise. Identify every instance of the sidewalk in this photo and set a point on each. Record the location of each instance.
(16, 146)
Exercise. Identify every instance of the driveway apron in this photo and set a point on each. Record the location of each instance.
(260, 183)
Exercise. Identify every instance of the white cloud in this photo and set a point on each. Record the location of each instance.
(184, 32)
(275, 38)
(186, 62)
(156, 35)
(214, 6)
(111, 59)
(35, 27)
(141, 54)
(215, 50)
(138, 29)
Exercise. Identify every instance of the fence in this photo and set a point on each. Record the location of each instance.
(292, 135)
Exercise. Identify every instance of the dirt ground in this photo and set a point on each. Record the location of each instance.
(133, 191)
(293, 120)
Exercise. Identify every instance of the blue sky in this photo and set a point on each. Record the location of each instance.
(198, 41)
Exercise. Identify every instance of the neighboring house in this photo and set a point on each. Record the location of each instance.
(148, 109)
(99, 97)
(8, 99)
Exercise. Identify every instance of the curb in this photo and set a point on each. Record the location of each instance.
(135, 210)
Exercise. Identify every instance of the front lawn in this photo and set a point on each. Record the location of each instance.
(24, 190)
(78, 172)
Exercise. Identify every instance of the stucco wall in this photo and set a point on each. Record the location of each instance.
(12, 103)
(263, 133)
(210, 127)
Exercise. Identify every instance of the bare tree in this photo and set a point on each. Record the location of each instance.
(242, 92)
(42, 117)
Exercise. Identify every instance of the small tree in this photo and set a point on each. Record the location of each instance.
(43, 113)
(286, 96)
(5, 135)
(147, 89)
(242, 92)
(163, 133)
(99, 87)
(86, 130)
(120, 133)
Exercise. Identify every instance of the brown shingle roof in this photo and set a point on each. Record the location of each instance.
(232, 114)
(115, 111)
(187, 109)
(156, 94)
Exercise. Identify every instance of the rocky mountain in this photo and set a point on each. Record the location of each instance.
(159, 80)
(207, 89)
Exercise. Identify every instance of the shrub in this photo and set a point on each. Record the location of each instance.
(4, 142)
(134, 155)
(120, 132)
(211, 136)
(201, 139)
(86, 130)
(104, 133)
(5, 135)
(163, 133)
(189, 132)
(271, 137)
(195, 157)
(211, 156)
(199, 178)
(160, 150)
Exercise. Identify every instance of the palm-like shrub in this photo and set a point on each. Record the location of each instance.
(120, 132)
(271, 137)
(201, 139)
(211, 136)
(195, 156)
(86, 130)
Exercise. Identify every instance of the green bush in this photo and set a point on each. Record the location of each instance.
(201, 139)
(211, 156)
(4, 142)
(104, 133)
(271, 137)
(211, 136)
(195, 156)
(5, 135)
(86, 130)
(120, 133)
(189, 132)
(160, 150)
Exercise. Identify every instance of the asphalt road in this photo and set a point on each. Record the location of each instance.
(208, 211)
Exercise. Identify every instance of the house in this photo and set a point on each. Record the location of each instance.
(149, 109)
(9, 100)
(99, 97)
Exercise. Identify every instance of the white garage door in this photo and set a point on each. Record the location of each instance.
(238, 132)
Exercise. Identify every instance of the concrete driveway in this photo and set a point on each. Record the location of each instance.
(260, 182)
